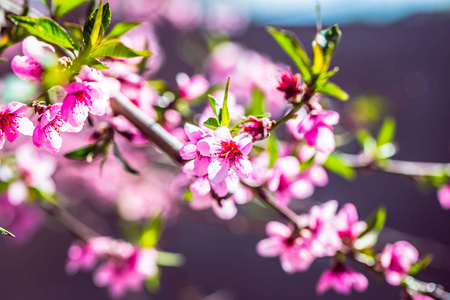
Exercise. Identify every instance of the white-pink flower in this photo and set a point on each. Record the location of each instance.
(83, 98)
(84, 255)
(13, 121)
(294, 253)
(341, 278)
(197, 163)
(227, 154)
(48, 132)
(37, 55)
(396, 259)
(348, 226)
(191, 87)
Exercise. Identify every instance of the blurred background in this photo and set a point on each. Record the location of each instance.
(393, 54)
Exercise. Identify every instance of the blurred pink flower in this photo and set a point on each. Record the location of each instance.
(37, 54)
(324, 240)
(126, 270)
(285, 181)
(347, 223)
(444, 196)
(83, 256)
(222, 17)
(227, 154)
(13, 121)
(191, 87)
(183, 14)
(48, 132)
(341, 278)
(83, 98)
(396, 259)
(317, 129)
(294, 253)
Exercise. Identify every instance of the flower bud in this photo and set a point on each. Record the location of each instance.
(258, 128)
(288, 84)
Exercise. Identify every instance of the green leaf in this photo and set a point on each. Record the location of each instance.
(115, 48)
(97, 64)
(272, 148)
(6, 232)
(65, 6)
(324, 45)
(211, 123)
(215, 106)
(152, 283)
(420, 265)
(292, 46)
(120, 29)
(333, 90)
(367, 142)
(224, 114)
(97, 23)
(85, 153)
(375, 222)
(46, 29)
(336, 164)
(126, 166)
(257, 105)
(387, 131)
(151, 233)
(169, 259)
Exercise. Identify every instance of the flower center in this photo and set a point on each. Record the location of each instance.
(8, 122)
(230, 150)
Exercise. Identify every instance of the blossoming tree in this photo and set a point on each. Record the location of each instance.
(248, 131)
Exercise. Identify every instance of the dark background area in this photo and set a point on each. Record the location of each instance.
(378, 60)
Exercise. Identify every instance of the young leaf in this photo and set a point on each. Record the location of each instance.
(6, 232)
(272, 148)
(126, 166)
(387, 131)
(336, 164)
(95, 26)
(420, 265)
(367, 142)
(152, 283)
(120, 29)
(224, 114)
(324, 45)
(333, 90)
(375, 222)
(292, 46)
(46, 29)
(214, 105)
(151, 233)
(211, 123)
(170, 259)
(65, 6)
(115, 48)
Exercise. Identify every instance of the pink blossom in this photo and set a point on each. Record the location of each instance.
(348, 226)
(294, 253)
(83, 98)
(35, 171)
(341, 278)
(83, 256)
(417, 297)
(285, 181)
(228, 153)
(13, 121)
(396, 259)
(193, 87)
(444, 196)
(197, 163)
(225, 18)
(37, 55)
(258, 128)
(288, 84)
(48, 132)
(126, 270)
(317, 129)
(324, 240)
(224, 207)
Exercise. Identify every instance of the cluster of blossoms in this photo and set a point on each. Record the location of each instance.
(218, 160)
(125, 267)
(325, 232)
